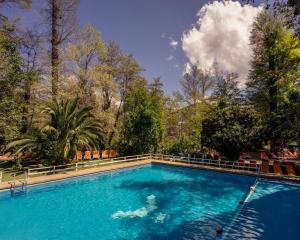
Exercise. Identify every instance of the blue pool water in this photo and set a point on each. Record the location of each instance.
(152, 202)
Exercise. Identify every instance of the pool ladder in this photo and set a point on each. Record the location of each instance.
(18, 187)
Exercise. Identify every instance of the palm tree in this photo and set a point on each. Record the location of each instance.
(68, 128)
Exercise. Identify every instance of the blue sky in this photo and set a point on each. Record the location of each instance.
(143, 28)
(146, 28)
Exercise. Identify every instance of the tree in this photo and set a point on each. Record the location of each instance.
(156, 87)
(283, 126)
(296, 5)
(83, 59)
(275, 66)
(61, 17)
(226, 89)
(110, 66)
(68, 129)
(143, 125)
(195, 84)
(128, 73)
(231, 130)
(10, 79)
(5, 24)
(30, 48)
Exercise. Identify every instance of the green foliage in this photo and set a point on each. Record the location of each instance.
(283, 125)
(143, 125)
(68, 129)
(232, 130)
(275, 70)
(10, 79)
(275, 62)
(179, 146)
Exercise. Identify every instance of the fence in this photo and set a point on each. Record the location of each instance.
(95, 163)
(84, 164)
(207, 161)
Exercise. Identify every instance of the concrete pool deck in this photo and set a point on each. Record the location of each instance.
(124, 165)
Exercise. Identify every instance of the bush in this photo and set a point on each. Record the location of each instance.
(232, 130)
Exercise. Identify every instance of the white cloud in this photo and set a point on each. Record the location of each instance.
(221, 34)
(170, 58)
(173, 44)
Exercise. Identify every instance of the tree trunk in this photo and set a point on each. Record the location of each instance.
(273, 91)
(272, 86)
(26, 97)
(54, 48)
(118, 114)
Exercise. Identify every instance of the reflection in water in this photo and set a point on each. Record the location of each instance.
(142, 212)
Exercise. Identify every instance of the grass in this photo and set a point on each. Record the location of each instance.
(8, 169)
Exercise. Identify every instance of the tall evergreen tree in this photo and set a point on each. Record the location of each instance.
(275, 66)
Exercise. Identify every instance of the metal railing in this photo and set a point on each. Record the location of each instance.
(208, 162)
(204, 161)
(84, 165)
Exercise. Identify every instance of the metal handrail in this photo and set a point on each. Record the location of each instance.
(190, 160)
(84, 164)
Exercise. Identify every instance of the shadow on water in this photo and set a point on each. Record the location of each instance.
(170, 190)
(273, 216)
(213, 187)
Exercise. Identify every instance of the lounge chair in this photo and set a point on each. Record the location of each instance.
(105, 154)
(96, 155)
(290, 169)
(87, 155)
(265, 166)
(7, 157)
(212, 155)
(240, 163)
(277, 168)
(108, 153)
(253, 164)
(78, 155)
(264, 156)
(112, 153)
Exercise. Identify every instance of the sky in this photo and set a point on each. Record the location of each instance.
(166, 35)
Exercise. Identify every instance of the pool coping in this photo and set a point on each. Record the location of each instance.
(73, 174)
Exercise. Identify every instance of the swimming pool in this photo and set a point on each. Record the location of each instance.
(152, 202)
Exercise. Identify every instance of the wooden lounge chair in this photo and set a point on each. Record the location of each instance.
(240, 163)
(96, 155)
(265, 166)
(277, 168)
(78, 155)
(105, 154)
(253, 164)
(264, 156)
(212, 155)
(87, 155)
(112, 153)
(290, 169)
(7, 157)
